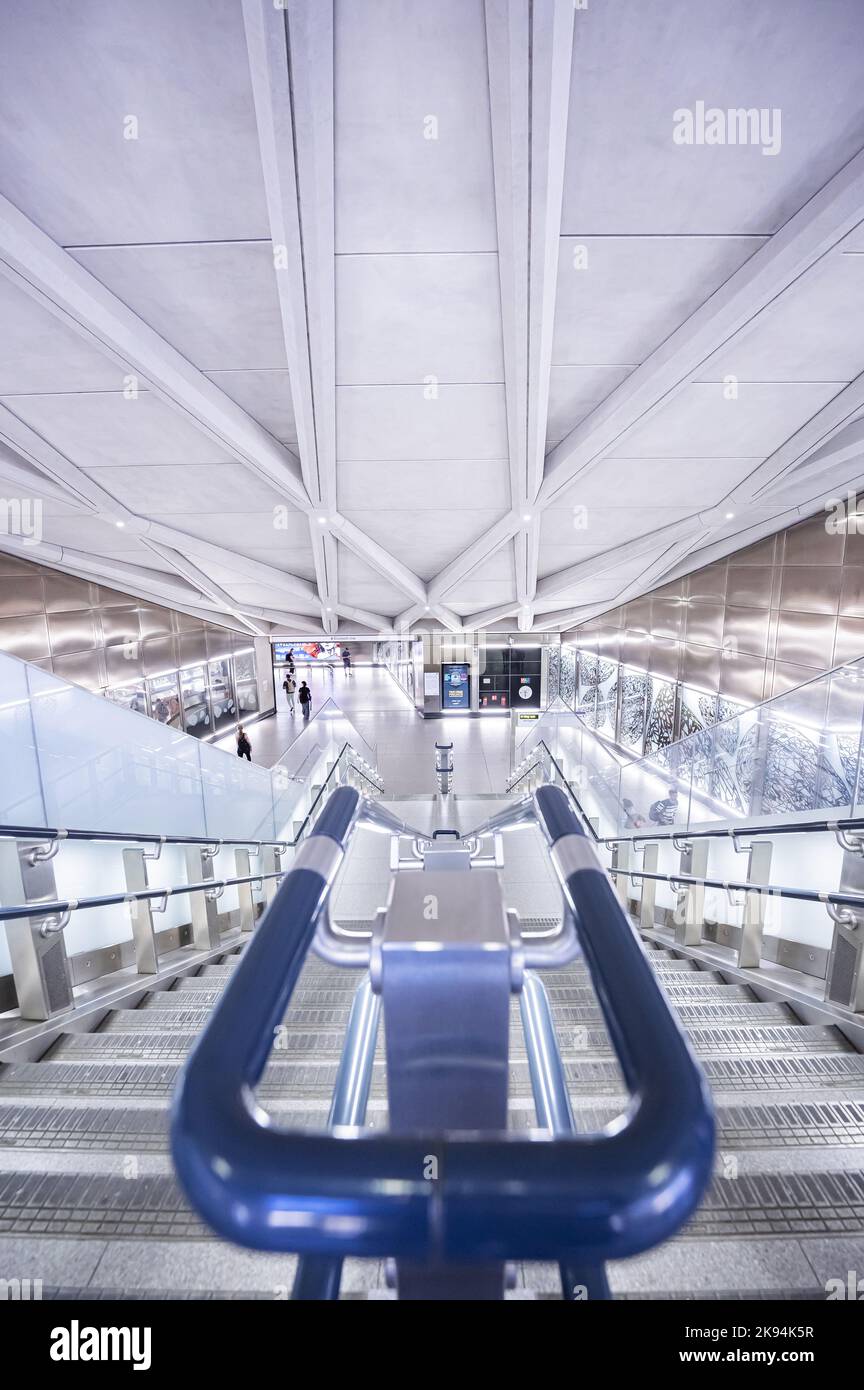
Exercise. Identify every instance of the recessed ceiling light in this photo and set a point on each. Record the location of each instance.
(527, 516)
(322, 521)
(730, 516)
(120, 523)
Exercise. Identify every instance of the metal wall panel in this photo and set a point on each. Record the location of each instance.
(120, 625)
(82, 668)
(806, 639)
(124, 663)
(20, 595)
(155, 622)
(64, 594)
(160, 654)
(26, 638)
(192, 648)
(71, 632)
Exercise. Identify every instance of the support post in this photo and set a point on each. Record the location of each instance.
(690, 909)
(271, 863)
(755, 906)
(244, 890)
(648, 895)
(845, 980)
(202, 908)
(40, 967)
(141, 912)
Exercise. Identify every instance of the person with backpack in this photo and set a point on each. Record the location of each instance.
(244, 747)
(304, 694)
(346, 660)
(289, 685)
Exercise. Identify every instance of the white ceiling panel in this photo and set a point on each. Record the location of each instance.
(623, 482)
(266, 396)
(636, 65)
(367, 588)
(38, 353)
(475, 482)
(424, 541)
(410, 422)
(413, 139)
(243, 530)
(606, 526)
(290, 560)
(633, 291)
(83, 532)
(813, 332)
(574, 392)
(198, 487)
(405, 318)
(12, 490)
(702, 422)
(101, 428)
(215, 303)
(81, 71)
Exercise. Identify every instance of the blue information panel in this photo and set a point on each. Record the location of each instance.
(456, 685)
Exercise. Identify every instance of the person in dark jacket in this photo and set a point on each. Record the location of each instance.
(664, 812)
(304, 695)
(244, 747)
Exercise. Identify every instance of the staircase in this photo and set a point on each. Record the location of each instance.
(89, 1205)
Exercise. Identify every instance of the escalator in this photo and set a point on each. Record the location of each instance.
(89, 1197)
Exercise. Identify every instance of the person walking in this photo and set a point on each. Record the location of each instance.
(244, 747)
(289, 685)
(346, 660)
(304, 695)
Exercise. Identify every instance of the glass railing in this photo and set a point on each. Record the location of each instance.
(73, 759)
(788, 758)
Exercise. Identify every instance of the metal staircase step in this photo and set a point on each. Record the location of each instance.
(109, 1129)
(684, 993)
(746, 1126)
(152, 1207)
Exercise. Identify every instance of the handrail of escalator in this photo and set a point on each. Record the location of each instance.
(498, 1196)
(839, 898)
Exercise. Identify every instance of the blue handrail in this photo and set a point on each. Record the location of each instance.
(596, 1197)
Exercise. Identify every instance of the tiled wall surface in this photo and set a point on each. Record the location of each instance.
(94, 636)
(751, 626)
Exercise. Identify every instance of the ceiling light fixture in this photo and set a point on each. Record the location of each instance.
(730, 516)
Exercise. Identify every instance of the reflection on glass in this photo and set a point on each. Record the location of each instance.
(164, 693)
(244, 667)
(132, 696)
(221, 694)
(196, 703)
(247, 698)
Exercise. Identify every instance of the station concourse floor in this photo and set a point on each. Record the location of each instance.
(404, 742)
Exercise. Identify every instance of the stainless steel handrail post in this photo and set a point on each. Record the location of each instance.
(554, 1113)
(319, 1276)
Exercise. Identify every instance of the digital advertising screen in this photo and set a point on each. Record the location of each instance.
(455, 685)
(304, 652)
